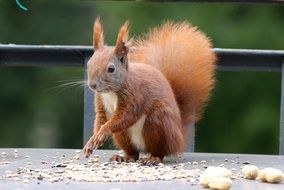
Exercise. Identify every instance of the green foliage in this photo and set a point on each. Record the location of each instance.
(242, 116)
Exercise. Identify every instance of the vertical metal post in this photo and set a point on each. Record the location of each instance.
(190, 137)
(281, 131)
(89, 114)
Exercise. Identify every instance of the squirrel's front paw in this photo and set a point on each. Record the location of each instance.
(88, 148)
(96, 141)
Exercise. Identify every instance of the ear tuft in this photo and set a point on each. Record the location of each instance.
(121, 47)
(98, 34)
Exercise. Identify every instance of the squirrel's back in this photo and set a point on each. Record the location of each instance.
(185, 56)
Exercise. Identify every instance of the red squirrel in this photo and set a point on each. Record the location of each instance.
(147, 92)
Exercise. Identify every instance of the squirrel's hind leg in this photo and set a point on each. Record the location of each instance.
(162, 135)
(122, 141)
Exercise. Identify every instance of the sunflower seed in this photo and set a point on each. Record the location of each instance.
(203, 162)
(3, 154)
(4, 162)
(246, 162)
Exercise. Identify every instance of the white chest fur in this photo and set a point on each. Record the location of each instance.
(135, 131)
(110, 103)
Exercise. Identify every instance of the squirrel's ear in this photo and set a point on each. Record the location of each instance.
(121, 48)
(98, 34)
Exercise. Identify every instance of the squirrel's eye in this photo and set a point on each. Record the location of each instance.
(121, 59)
(111, 68)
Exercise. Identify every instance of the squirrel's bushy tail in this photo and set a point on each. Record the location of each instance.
(185, 56)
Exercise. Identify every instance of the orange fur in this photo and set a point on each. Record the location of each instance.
(185, 57)
(98, 38)
(120, 48)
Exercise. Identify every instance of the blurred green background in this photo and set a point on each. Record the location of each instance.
(242, 116)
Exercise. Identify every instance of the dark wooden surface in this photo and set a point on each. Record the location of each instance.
(37, 155)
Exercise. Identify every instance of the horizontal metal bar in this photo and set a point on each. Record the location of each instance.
(43, 55)
(281, 2)
(38, 55)
(250, 60)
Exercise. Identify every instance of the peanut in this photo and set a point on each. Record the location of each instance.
(220, 183)
(250, 171)
(271, 175)
(212, 173)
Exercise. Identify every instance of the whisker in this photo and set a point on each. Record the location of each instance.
(70, 80)
(67, 85)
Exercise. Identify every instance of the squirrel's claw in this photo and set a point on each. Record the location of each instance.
(150, 161)
(95, 142)
(88, 148)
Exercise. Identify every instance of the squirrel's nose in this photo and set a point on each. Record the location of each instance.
(93, 85)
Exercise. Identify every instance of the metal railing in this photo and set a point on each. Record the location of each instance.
(77, 56)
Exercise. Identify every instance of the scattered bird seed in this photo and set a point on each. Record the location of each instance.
(27, 156)
(93, 170)
(16, 151)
